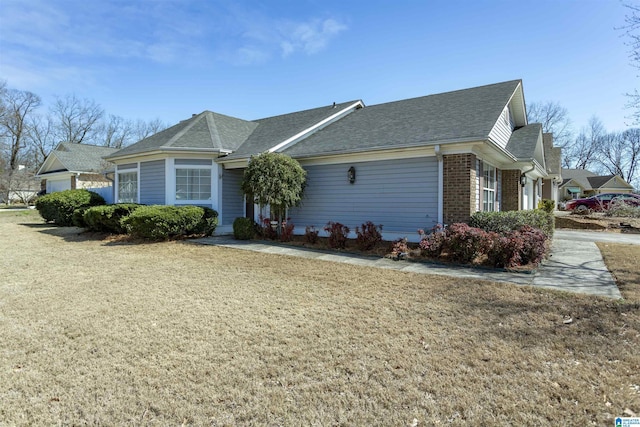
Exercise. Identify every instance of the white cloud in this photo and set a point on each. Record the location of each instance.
(311, 37)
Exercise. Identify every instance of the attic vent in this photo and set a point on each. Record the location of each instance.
(193, 115)
(334, 105)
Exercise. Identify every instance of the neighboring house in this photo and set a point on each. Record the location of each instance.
(71, 166)
(407, 164)
(579, 183)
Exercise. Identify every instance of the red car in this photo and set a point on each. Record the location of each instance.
(601, 202)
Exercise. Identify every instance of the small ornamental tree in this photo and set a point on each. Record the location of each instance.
(276, 180)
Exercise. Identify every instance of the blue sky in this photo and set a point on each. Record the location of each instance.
(168, 59)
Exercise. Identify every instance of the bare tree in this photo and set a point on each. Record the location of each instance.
(620, 153)
(18, 105)
(631, 29)
(145, 129)
(584, 152)
(117, 132)
(76, 119)
(41, 138)
(554, 119)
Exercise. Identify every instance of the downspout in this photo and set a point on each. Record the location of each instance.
(533, 167)
(440, 184)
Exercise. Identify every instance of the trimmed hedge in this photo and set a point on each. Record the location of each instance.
(108, 218)
(58, 207)
(244, 228)
(505, 222)
(159, 222)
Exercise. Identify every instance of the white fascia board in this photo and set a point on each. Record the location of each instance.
(47, 162)
(163, 153)
(310, 130)
(57, 174)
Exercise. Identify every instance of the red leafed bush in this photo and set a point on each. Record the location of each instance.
(368, 236)
(527, 245)
(431, 244)
(338, 234)
(464, 244)
(286, 234)
(311, 234)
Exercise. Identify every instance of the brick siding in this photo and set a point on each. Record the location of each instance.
(459, 187)
(511, 200)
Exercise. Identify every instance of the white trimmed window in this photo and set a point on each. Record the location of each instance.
(193, 184)
(128, 187)
(489, 183)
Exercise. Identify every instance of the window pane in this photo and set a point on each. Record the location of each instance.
(128, 187)
(193, 184)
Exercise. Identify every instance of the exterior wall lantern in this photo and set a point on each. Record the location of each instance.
(523, 180)
(351, 175)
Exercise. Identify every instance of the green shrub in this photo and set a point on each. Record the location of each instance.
(244, 228)
(162, 222)
(58, 207)
(504, 222)
(547, 205)
(78, 217)
(108, 218)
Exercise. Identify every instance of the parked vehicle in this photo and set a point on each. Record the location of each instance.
(601, 202)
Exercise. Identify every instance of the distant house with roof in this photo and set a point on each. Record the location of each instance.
(407, 164)
(579, 183)
(70, 166)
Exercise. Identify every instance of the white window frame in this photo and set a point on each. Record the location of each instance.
(489, 204)
(137, 186)
(193, 167)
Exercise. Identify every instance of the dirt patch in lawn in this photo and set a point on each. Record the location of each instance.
(171, 333)
(598, 221)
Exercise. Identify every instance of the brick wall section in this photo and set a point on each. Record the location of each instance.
(511, 200)
(459, 187)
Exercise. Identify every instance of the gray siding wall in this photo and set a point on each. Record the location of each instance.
(152, 183)
(402, 195)
(232, 197)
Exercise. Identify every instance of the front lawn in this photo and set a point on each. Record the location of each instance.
(103, 332)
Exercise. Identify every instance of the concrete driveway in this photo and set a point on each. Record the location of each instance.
(597, 236)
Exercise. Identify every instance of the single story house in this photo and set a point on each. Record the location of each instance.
(579, 183)
(70, 166)
(406, 165)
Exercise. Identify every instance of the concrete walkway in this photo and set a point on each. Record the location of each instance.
(574, 265)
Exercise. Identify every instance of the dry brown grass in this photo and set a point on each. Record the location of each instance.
(99, 332)
(624, 262)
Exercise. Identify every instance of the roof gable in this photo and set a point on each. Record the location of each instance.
(608, 181)
(273, 131)
(76, 158)
(207, 131)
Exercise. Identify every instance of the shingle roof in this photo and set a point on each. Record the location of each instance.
(599, 181)
(207, 130)
(464, 114)
(578, 175)
(271, 131)
(82, 157)
(522, 142)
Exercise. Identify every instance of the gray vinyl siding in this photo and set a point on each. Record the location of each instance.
(232, 197)
(152, 183)
(502, 130)
(402, 195)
